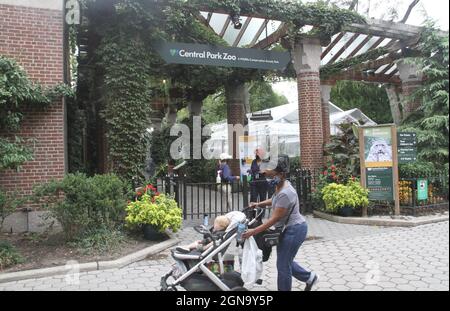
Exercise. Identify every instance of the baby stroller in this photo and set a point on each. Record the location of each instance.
(191, 271)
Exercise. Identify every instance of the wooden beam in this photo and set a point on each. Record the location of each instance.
(359, 47)
(332, 45)
(385, 29)
(386, 69)
(377, 78)
(274, 37)
(393, 73)
(259, 32)
(376, 44)
(344, 48)
(208, 20)
(241, 33)
(225, 26)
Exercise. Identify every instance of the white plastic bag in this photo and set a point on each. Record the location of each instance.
(251, 268)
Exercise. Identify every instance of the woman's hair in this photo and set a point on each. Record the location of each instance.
(221, 223)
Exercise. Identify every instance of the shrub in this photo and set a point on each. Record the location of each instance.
(99, 240)
(160, 211)
(8, 205)
(338, 196)
(8, 255)
(82, 204)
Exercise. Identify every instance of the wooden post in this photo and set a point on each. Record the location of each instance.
(395, 171)
(363, 164)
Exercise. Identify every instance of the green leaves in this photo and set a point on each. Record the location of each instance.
(430, 122)
(17, 94)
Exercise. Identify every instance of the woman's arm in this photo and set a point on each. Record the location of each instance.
(277, 214)
(263, 203)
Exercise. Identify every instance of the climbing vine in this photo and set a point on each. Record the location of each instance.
(17, 95)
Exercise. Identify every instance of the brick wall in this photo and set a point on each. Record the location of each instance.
(310, 118)
(34, 37)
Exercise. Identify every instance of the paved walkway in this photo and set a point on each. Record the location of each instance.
(346, 257)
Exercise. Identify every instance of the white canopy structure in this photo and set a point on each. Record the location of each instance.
(284, 126)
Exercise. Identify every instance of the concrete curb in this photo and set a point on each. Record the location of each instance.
(91, 266)
(380, 222)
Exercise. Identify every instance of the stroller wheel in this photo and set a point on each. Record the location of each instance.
(239, 289)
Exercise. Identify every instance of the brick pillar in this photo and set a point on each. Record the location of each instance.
(411, 81)
(236, 96)
(306, 56)
(31, 32)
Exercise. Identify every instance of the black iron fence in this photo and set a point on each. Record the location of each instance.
(199, 199)
(422, 195)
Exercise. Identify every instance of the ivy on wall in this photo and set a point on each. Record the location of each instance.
(17, 95)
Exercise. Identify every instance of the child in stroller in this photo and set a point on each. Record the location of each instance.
(190, 270)
(220, 225)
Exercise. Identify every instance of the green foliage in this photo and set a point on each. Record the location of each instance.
(430, 122)
(371, 99)
(160, 211)
(418, 169)
(17, 95)
(329, 19)
(9, 203)
(99, 241)
(9, 255)
(127, 109)
(82, 204)
(344, 151)
(14, 154)
(338, 196)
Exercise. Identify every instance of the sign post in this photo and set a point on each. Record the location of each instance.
(379, 163)
(407, 147)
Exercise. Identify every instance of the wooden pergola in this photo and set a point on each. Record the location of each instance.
(396, 38)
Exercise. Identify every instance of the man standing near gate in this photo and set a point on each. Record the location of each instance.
(258, 185)
(224, 172)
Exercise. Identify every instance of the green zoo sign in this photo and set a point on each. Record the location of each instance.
(202, 54)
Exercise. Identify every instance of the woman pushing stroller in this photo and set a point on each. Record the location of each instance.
(286, 211)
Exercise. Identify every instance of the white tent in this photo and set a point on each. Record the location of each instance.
(284, 127)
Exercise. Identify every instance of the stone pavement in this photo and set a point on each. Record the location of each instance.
(346, 257)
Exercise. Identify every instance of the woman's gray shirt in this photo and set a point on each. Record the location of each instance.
(287, 198)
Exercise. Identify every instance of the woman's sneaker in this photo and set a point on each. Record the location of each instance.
(310, 284)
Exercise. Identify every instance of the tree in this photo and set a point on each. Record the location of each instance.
(430, 121)
(371, 99)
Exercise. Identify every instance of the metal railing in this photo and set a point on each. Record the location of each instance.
(199, 199)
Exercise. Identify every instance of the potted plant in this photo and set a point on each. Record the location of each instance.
(154, 213)
(343, 199)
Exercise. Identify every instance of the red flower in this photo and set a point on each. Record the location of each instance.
(139, 194)
(333, 167)
(325, 173)
(156, 194)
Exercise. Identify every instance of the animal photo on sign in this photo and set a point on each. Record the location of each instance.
(380, 151)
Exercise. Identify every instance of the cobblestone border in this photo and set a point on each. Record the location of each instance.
(380, 222)
(91, 266)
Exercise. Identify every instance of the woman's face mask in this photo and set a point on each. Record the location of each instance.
(275, 181)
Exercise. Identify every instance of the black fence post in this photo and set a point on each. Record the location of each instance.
(244, 191)
(183, 181)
